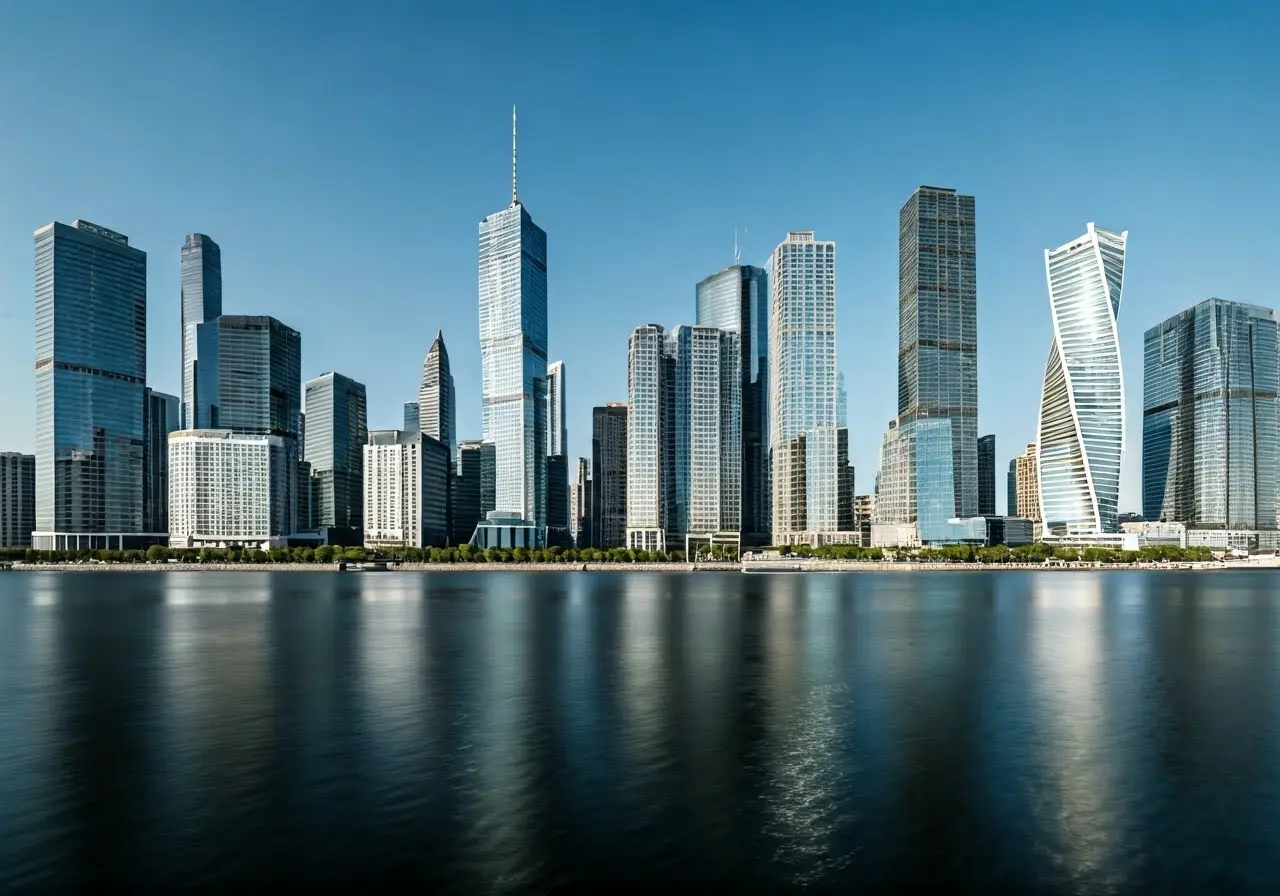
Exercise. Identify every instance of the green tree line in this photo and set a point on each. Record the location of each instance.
(999, 554)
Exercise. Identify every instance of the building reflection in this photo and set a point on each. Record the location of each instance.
(389, 685)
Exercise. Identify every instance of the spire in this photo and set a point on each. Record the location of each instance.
(514, 200)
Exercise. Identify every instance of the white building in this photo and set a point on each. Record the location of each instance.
(406, 490)
(649, 470)
(230, 490)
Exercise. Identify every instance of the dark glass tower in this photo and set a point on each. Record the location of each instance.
(609, 475)
(201, 302)
(258, 379)
(336, 432)
(163, 416)
(987, 476)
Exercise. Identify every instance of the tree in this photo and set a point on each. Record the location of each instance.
(353, 555)
(324, 553)
(157, 554)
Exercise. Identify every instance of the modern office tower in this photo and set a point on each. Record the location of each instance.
(987, 476)
(471, 489)
(648, 474)
(609, 475)
(231, 489)
(162, 416)
(1081, 433)
(932, 460)
(17, 499)
(842, 402)
(1027, 469)
(938, 325)
(1210, 433)
(557, 428)
(580, 505)
(558, 521)
(412, 418)
(337, 430)
(736, 300)
(437, 414)
(895, 495)
(1011, 489)
(802, 387)
(201, 302)
(91, 373)
(844, 501)
(259, 374)
(306, 493)
(706, 399)
(513, 354)
(406, 497)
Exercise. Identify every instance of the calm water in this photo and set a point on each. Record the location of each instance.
(539, 733)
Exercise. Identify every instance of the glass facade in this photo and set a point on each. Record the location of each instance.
(935, 480)
(802, 387)
(1011, 489)
(17, 499)
(201, 276)
(91, 371)
(557, 428)
(513, 350)
(1211, 376)
(1081, 432)
(471, 491)
(609, 475)
(938, 324)
(336, 432)
(259, 375)
(987, 476)
(412, 422)
(437, 414)
(163, 416)
(708, 431)
(736, 300)
(648, 475)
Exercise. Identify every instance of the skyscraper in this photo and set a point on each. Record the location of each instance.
(938, 325)
(1081, 432)
(201, 302)
(471, 490)
(648, 473)
(558, 521)
(17, 499)
(437, 415)
(406, 496)
(580, 505)
(557, 429)
(736, 300)
(336, 433)
(513, 352)
(1027, 469)
(802, 386)
(163, 415)
(91, 373)
(258, 379)
(1210, 426)
(609, 475)
(1011, 489)
(412, 417)
(987, 476)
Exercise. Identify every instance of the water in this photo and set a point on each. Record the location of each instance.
(504, 732)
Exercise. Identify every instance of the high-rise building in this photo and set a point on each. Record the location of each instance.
(1081, 432)
(557, 428)
(736, 300)
(558, 521)
(406, 478)
(1027, 472)
(337, 431)
(437, 414)
(201, 276)
(932, 459)
(163, 415)
(471, 489)
(17, 499)
(1011, 489)
(842, 402)
(580, 505)
(1210, 427)
(938, 325)
(513, 353)
(987, 476)
(648, 406)
(91, 373)
(895, 499)
(231, 489)
(609, 475)
(412, 417)
(845, 498)
(802, 387)
(258, 379)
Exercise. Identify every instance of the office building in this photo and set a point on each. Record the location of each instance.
(932, 459)
(938, 325)
(1081, 433)
(258, 378)
(987, 476)
(1027, 473)
(609, 475)
(406, 478)
(1210, 427)
(412, 417)
(844, 497)
(802, 388)
(337, 431)
(558, 521)
(580, 505)
(162, 416)
(437, 414)
(513, 353)
(201, 277)
(1011, 489)
(557, 428)
(230, 489)
(91, 373)
(17, 499)
(736, 300)
(471, 489)
(650, 470)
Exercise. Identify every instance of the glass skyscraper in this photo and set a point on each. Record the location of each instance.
(609, 475)
(708, 431)
(987, 476)
(802, 387)
(336, 433)
(1210, 458)
(201, 302)
(932, 458)
(736, 300)
(649, 475)
(258, 379)
(557, 458)
(163, 416)
(1081, 432)
(437, 413)
(938, 325)
(91, 373)
(557, 428)
(513, 352)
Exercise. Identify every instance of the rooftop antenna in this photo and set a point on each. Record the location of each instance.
(737, 255)
(514, 200)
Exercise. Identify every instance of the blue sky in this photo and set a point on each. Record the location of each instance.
(343, 155)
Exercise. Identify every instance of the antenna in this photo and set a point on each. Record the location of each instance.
(737, 255)
(514, 200)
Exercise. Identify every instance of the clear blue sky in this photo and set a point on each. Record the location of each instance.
(343, 154)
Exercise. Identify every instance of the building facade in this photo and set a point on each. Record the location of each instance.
(17, 499)
(802, 388)
(91, 373)
(437, 411)
(1011, 489)
(1081, 431)
(1027, 473)
(513, 352)
(230, 489)
(201, 277)
(471, 489)
(609, 475)
(412, 417)
(580, 505)
(558, 516)
(987, 476)
(163, 416)
(258, 379)
(406, 497)
(650, 469)
(557, 427)
(938, 325)
(736, 300)
(1210, 424)
(337, 431)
